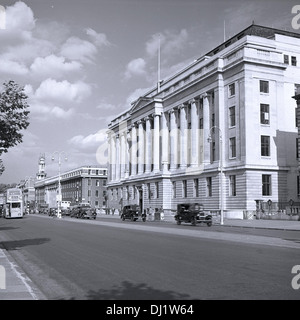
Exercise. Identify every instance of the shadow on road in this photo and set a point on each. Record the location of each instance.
(14, 245)
(7, 228)
(130, 291)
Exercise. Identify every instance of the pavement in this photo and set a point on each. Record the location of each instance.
(15, 285)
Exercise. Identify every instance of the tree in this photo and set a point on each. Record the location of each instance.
(14, 116)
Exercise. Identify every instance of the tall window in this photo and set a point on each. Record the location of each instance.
(196, 188)
(184, 189)
(266, 185)
(149, 190)
(286, 59)
(297, 148)
(209, 186)
(232, 185)
(213, 150)
(265, 146)
(156, 190)
(264, 86)
(294, 61)
(264, 114)
(174, 189)
(232, 146)
(232, 116)
(231, 90)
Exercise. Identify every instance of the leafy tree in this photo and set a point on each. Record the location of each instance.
(14, 116)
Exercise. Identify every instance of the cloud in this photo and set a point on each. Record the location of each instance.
(45, 112)
(135, 67)
(12, 67)
(77, 49)
(51, 89)
(92, 140)
(99, 39)
(53, 65)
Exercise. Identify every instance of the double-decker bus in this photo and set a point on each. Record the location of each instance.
(13, 207)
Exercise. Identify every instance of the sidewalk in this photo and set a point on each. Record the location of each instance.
(15, 285)
(242, 223)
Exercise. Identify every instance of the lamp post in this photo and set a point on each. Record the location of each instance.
(221, 167)
(59, 196)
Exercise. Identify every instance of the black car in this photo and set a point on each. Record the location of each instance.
(133, 213)
(192, 213)
(83, 211)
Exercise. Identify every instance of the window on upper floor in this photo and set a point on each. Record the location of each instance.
(264, 114)
(231, 89)
(264, 86)
(232, 116)
(293, 61)
(232, 147)
(286, 59)
(265, 146)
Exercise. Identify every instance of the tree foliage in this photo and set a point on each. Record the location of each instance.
(14, 115)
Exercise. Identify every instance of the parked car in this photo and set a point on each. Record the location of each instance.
(133, 213)
(52, 212)
(192, 213)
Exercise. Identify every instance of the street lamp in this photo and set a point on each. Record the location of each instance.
(59, 196)
(221, 167)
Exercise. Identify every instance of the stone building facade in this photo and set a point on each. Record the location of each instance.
(221, 132)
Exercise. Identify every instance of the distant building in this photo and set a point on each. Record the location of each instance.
(28, 192)
(233, 104)
(41, 172)
(85, 184)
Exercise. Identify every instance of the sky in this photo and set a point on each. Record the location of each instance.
(83, 62)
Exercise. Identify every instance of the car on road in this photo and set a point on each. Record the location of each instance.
(133, 213)
(52, 212)
(83, 211)
(192, 213)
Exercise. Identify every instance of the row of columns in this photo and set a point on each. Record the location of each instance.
(139, 149)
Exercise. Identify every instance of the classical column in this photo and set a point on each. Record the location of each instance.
(165, 141)
(113, 158)
(117, 157)
(123, 152)
(206, 129)
(194, 134)
(141, 146)
(133, 150)
(183, 136)
(127, 154)
(173, 140)
(148, 151)
(156, 135)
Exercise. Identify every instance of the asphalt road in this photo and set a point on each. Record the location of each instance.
(113, 260)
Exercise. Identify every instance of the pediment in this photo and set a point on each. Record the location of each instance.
(140, 103)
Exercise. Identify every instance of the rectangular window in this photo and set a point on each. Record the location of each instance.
(264, 114)
(232, 146)
(97, 183)
(297, 148)
(213, 150)
(266, 185)
(156, 190)
(201, 123)
(286, 59)
(96, 193)
(184, 189)
(149, 190)
(264, 86)
(298, 186)
(196, 188)
(293, 61)
(231, 90)
(232, 185)
(232, 116)
(209, 186)
(174, 189)
(265, 146)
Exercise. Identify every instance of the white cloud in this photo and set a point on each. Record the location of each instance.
(62, 91)
(44, 112)
(99, 39)
(135, 67)
(92, 140)
(53, 65)
(12, 67)
(77, 49)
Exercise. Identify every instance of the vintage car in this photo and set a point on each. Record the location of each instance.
(83, 211)
(192, 213)
(133, 213)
